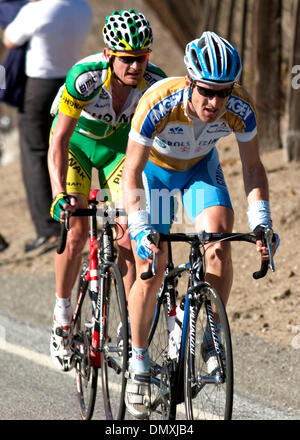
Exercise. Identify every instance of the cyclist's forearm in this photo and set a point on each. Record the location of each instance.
(134, 194)
(256, 184)
(58, 166)
(59, 152)
(254, 173)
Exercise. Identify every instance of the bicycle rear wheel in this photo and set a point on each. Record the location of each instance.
(114, 355)
(163, 405)
(86, 374)
(208, 395)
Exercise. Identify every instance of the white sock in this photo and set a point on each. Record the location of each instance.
(63, 310)
(140, 360)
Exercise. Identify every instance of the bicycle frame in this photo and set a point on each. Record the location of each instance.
(96, 275)
(92, 276)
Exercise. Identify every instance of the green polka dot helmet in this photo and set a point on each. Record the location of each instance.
(127, 30)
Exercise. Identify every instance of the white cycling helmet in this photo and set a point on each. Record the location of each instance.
(127, 30)
(212, 59)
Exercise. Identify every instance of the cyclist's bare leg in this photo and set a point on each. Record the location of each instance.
(142, 298)
(218, 257)
(126, 260)
(67, 265)
(66, 270)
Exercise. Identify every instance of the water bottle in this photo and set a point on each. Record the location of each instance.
(175, 320)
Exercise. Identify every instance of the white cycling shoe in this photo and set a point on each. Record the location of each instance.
(138, 394)
(61, 346)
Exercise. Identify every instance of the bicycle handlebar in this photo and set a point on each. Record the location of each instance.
(108, 213)
(205, 237)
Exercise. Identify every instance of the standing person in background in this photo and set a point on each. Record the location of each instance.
(13, 65)
(14, 61)
(55, 31)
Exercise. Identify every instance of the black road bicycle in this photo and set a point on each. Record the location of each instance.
(182, 386)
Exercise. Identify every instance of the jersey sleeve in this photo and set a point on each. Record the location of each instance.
(241, 115)
(83, 83)
(155, 106)
(137, 137)
(69, 105)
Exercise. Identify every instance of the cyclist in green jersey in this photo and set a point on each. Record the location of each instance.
(90, 130)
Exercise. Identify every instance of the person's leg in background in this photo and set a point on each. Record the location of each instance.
(34, 128)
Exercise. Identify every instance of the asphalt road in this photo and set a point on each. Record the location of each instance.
(267, 376)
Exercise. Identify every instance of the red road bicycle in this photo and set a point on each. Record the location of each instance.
(100, 336)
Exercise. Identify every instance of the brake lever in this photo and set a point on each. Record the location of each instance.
(64, 228)
(155, 241)
(268, 234)
(67, 220)
(154, 238)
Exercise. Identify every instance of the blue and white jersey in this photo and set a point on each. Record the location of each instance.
(179, 141)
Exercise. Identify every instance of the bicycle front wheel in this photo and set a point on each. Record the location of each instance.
(86, 373)
(208, 394)
(114, 354)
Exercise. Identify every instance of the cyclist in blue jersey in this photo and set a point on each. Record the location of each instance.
(172, 148)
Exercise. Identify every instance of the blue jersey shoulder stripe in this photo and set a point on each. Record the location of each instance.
(244, 110)
(159, 111)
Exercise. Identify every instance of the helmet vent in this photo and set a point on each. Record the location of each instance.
(229, 66)
(195, 59)
(218, 56)
(207, 62)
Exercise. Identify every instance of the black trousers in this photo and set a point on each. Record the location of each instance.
(34, 122)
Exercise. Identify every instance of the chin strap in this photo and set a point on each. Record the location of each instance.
(190, 91)
(119, 79)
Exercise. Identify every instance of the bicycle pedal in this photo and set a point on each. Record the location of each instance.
(112, 363)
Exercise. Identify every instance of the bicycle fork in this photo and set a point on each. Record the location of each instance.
(215, 339)
(197, 380)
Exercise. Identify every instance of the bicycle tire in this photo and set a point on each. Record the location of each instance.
(162, 374)
(86, 374)
(114, 355)
(204, 399)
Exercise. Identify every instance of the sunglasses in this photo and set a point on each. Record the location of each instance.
(130, 59)
(210, 93)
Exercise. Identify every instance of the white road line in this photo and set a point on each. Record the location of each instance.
(31, 355)
(45, 361)
(38, 358)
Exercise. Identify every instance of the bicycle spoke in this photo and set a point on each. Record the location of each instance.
(114, 355)
(86, 374)
(161, 368)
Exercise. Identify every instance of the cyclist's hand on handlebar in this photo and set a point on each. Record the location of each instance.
(61, 203)
(144, 247)
(265, 237)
